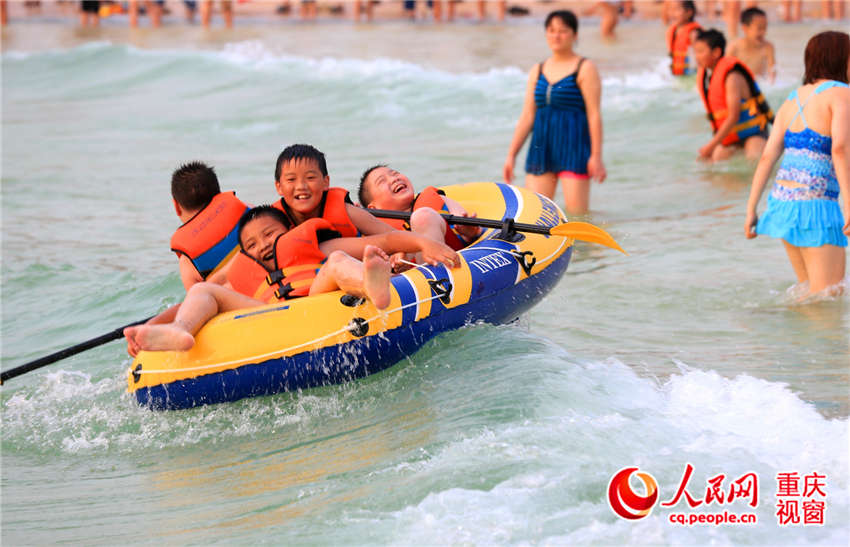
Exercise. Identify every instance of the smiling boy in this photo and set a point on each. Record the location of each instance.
(302, 181)
(382, 187)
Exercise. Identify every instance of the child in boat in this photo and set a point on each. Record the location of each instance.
(302, 181)
(382, 187)
(277, 262)
(207, 240)
(723, 80)
(681, 34)
(756, 52)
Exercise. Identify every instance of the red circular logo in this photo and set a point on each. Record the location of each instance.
(624, 501)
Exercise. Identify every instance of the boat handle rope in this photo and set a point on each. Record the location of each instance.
(137, 372)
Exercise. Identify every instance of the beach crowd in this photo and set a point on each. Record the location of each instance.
(208, 12)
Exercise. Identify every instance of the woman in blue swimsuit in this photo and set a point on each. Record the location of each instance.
(561, 110)
(813, 130)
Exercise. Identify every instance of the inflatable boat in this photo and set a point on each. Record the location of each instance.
(335, 337)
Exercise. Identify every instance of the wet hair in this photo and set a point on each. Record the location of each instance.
(363, 194)
(749, 14)
(566, 16)
(826, 57)
(691, 6)
(193, 185)
(261, 211)
(298, 152)
(713, 38)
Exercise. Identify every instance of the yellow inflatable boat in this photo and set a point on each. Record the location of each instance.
(332, 338)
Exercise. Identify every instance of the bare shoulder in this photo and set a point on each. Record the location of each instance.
(587, 70)
(838, 96)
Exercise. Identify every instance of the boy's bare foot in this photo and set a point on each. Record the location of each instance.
(160, 337)
(376, 276)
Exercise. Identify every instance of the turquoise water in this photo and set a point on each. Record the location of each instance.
(688, 350)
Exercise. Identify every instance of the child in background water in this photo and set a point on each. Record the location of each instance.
(737, 110)
(681, 34)
(756, 52)
(813, 131)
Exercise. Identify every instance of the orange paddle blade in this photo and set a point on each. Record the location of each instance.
(584, 231)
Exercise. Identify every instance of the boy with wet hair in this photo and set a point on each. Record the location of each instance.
(382, 187)
(302, 181)
(279, 264)
(207, 239)
(753, 49)
(737, 110)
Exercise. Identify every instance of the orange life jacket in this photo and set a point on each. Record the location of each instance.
(297, 260)
(210, 238)
(432, 198)
(678, 42)
(332, 208)
(755, 113)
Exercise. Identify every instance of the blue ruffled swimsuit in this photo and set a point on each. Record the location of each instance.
(560, 139)
(806, 216)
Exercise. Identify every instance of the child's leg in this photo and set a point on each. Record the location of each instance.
(753, 147)
(203, 302)
(576, 194)
(429, 223)
(824, 265)
(722, 153)
(796, 259)
(370, 278)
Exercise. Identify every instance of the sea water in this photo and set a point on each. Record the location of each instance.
(687, 351)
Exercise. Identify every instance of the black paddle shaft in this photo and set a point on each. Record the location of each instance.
(453, 219)
(67, 352)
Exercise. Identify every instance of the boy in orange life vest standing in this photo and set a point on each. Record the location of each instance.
(737, 110)
(302, 181)
(756, 52)
(208, 239)
(384, 188)
(274, 254)
(680, 35)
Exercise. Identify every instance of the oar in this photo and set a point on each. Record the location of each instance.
(67, 352)
(583, 231)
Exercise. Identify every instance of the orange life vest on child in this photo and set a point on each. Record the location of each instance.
(678, 42)
(432, 198)
(297, 260)
(332, 208)
(210, 238)
(755, 113)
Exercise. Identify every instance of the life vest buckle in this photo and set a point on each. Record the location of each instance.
(283, 292)
(274, 277)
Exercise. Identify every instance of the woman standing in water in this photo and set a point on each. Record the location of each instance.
(561, 110)
(813, 130)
